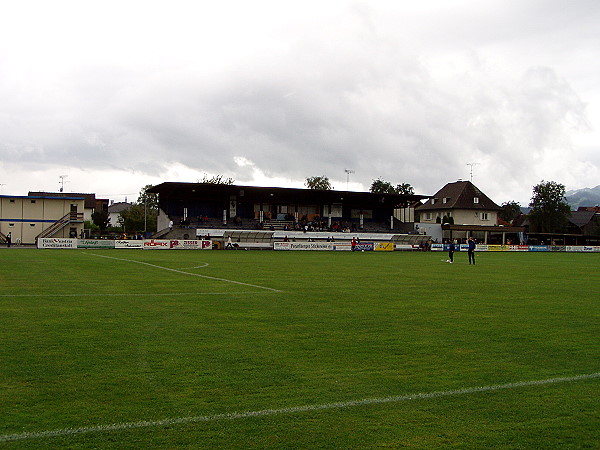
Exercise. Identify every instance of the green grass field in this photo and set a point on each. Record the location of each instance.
(265, 349)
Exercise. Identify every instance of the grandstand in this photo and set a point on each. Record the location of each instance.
(256, 217)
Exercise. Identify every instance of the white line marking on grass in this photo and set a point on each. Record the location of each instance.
(195, 267)
(185, 273)
(137, 294)
(291, 410)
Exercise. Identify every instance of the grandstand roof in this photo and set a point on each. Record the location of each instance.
(282, 195)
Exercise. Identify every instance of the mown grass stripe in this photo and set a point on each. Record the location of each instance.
(291, 410)
(185, 273)
(128, 294)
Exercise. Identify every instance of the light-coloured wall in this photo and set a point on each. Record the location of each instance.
(162, 221)
(114, 219)
(471, 217)
(405, 214)
(26, 217)
(462, 216)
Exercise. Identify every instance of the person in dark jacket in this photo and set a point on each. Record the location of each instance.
(451, 249)
(471, 250)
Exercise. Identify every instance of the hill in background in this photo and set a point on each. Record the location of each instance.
(583, 197)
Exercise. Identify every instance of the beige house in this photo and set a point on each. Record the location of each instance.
(27, 218)
(460, 203)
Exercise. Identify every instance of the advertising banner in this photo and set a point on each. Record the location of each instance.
(497, 248)
(303, 245)
(583, 248)
(126, 243)
(95, 243)
(406, 247)
(56, 243)
(518, 248)
(156, 244)
(384, 247)
(538, 248)
(176, 244)
(364, 247)
(342, 246)
(437, 247)
(184, 244)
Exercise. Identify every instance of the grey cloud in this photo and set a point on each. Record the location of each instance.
(360, 97)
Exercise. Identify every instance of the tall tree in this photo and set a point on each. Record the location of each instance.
(380, 186)
(405, 189)
(317, 182)
(101, 219)
(149, 199)
(549, 208)
(510, 211)
(217, 179)
(136, 220)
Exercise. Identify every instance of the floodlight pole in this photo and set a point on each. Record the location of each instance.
(348, 172)
(62, 182)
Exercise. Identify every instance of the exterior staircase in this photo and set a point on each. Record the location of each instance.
(71, 217)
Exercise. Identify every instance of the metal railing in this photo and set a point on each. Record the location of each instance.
(71, 217)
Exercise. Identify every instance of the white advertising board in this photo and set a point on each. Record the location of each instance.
(303, 246)
(313, 246)
(56, 243)
(177, 244)
(583, 248)
(95, 243)
(127, 243)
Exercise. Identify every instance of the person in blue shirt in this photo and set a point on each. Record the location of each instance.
(451, 249)
(471, 250)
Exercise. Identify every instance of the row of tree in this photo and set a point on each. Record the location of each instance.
(549, 209)
(140, 216)
(378, 186)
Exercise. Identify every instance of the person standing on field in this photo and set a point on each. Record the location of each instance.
(471, 250)
(451, 249)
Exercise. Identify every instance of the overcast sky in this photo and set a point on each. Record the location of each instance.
(120, 94)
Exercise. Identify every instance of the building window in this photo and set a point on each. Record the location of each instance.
(475, 199)
(11, 225)
(32, 201)
(433, 201)
(445, 200)
(12, 200)
(32, 224)
(484, 216)
(427, 216)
